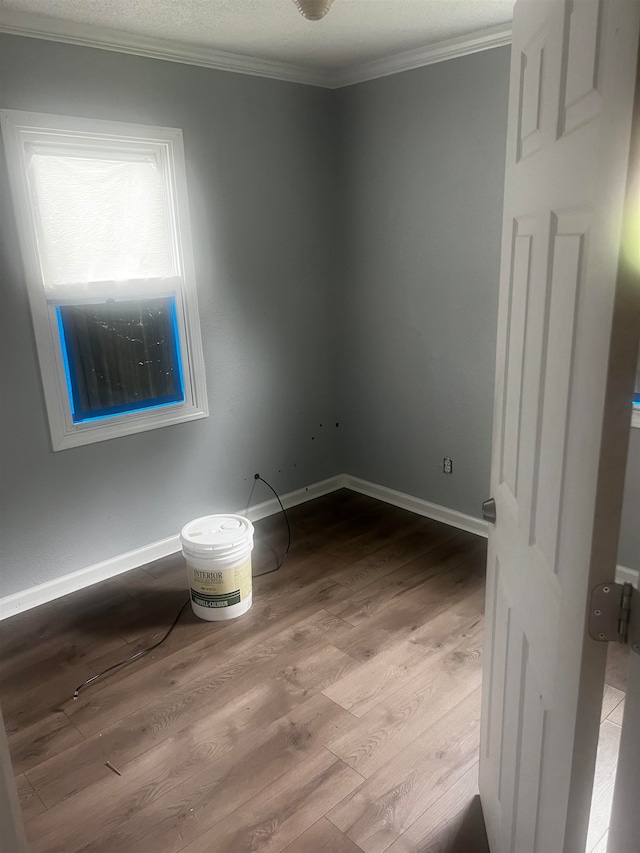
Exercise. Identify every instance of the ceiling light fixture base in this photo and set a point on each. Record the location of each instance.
(313, 10)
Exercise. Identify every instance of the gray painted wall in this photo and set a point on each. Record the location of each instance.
(347, 255)
(260, 166)
(422, 172)
(423, 175)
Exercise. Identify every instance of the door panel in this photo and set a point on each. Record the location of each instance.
(566, 261)
(579, 89)
(523, 232)
(532, 59)
(572, 82)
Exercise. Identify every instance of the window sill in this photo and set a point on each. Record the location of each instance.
(124, 425)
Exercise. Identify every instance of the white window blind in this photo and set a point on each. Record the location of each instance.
(100, 219)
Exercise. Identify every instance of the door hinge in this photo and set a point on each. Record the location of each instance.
(614, 614)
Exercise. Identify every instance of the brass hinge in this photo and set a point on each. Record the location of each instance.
(611, 615)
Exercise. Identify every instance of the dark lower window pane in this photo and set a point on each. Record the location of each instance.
(120, 356)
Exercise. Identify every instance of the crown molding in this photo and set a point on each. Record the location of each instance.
(53, 29)
(438, 52)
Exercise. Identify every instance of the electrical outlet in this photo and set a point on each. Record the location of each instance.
(447, 465)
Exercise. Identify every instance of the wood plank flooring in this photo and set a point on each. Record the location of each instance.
(339, 715)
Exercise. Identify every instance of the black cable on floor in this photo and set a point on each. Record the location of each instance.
(144, 652)
(284, 512)
(133, 657)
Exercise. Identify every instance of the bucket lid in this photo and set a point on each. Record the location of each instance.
(217, 532)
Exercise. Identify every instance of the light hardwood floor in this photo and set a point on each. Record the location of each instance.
(339, 715)
(608, 747)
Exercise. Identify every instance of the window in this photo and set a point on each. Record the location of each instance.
(104, 227)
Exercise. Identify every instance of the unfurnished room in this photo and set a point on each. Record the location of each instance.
(320, 426)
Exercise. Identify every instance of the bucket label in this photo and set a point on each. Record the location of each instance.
(220, 588)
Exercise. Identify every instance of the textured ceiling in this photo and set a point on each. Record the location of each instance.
(354, 31)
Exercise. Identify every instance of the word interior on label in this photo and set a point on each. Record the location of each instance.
(207, 577)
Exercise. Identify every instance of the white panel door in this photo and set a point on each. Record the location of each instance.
(573, 70)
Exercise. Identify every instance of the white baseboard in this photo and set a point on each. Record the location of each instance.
(48, 591)
(41, 594)
(10, 605)
(417, 505)
(627, 575)
(300, 496)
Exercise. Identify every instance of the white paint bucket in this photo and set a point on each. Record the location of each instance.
(217, 549)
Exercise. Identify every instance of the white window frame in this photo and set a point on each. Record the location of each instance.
(21, 129)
